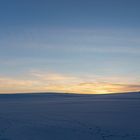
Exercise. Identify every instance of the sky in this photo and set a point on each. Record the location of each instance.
(72, 46)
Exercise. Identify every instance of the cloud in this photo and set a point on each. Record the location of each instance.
(96, 88)
(52, 76)
(95, 40)
(8, 84)
(37, 81)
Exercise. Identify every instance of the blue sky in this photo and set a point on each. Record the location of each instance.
(91, 40)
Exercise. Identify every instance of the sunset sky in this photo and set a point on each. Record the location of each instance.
(74, 46)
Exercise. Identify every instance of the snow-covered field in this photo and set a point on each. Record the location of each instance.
(70, 117)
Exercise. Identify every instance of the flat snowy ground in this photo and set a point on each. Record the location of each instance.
(70, 117)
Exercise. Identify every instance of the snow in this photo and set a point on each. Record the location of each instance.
(54, 116)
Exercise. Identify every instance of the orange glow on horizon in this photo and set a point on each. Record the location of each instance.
(39, 82)
(93, 88)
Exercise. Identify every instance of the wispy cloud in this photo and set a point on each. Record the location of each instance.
(8, 84)
(37, 81)
(95, 40)
(76, 40)
(51, 76)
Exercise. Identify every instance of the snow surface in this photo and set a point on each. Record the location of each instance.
(70, 117)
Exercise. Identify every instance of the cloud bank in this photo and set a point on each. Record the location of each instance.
(54, 82)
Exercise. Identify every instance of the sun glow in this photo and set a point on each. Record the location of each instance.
(54, 82)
